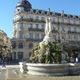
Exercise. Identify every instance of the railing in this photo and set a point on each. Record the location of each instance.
(65, 23)
(54, 31)
(73, 32)
(34, 40)
(29, 20)
(35, 29)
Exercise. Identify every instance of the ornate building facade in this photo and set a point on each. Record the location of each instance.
(5, 44)
(29, 25)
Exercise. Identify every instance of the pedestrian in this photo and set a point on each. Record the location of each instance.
(3, 62)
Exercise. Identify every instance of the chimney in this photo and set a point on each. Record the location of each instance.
(62, 11)
(49, 9)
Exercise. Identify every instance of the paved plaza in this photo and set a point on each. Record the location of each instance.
(11, 72)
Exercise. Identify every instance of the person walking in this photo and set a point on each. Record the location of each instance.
(3, 62)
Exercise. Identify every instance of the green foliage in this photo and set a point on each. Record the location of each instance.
(46, 53)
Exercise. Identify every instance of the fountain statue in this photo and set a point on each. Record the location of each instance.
(48, 28)
(48, 58)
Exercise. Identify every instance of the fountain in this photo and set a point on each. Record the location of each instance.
(48, 58)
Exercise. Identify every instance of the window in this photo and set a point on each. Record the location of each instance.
(20, 55)
(21, 25)
(31, 26)
(79, 29)
(74, 22)
(18, 9)
(31, 36)
(74, 37)
(62, 20)
(69, 28)
(30, 45)
(20, 45)
(53, 20)
(21, 17)
(14, 55)
(42, 36)
(54, 28)
(30, 53)
(63, 37)
(37, 26)
(74, 29)
(68, 21)
(37, 18)
(42, 18)
(31, 17)
(37, 36)
(69, 37)
(54, 36)
(63, 29)
(14, 45)
(21, 35)
(42, 27)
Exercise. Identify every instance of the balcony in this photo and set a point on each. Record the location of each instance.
(35, 29)
(28, 20)
(34, 40)
(55, 22)
(73, 32)
(54, 31)
(65, 23)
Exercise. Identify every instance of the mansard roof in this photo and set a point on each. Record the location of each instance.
(54, 14)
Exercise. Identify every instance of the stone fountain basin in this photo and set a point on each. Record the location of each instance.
(52, 69)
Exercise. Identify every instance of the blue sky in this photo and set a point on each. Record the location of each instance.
(7, 8)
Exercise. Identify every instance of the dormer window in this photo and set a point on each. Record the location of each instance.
(18, 9)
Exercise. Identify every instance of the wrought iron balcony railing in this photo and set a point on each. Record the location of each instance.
(29, 20)
(35, 29)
